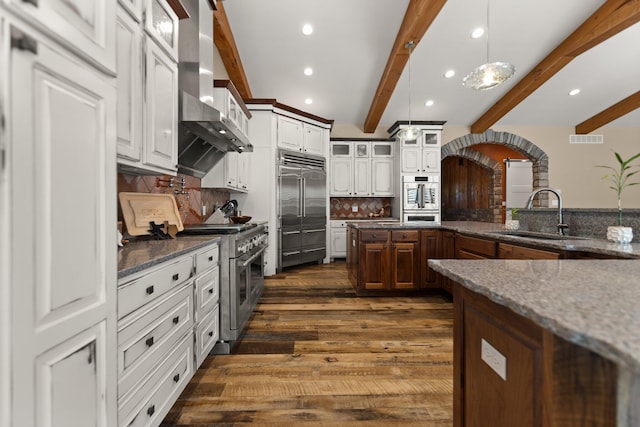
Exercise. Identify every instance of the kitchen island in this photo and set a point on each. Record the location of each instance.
(391, 257)
(540, 342)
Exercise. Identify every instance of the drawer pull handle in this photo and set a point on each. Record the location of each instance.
(404, 236)
(176, 320)
(375, 236)
(211, 258)
(176, 378)
(210, 333)
(149, 290)
(151, 410)
(176, 277)
(211, 290)
(149, 342)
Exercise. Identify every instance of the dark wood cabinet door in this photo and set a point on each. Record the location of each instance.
(430, 248)
(374, 265)
(405, 259)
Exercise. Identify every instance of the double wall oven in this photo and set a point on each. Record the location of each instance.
(242, 248)
(421, 198)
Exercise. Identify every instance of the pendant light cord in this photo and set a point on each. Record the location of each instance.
(409, 45)
(488, 1)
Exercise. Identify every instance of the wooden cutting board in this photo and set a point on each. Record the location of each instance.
(139, 209)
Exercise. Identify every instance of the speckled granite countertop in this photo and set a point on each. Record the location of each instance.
(136, 256)
(492, 231)
(591, 303)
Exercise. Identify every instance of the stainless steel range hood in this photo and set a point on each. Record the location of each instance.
(205, 134)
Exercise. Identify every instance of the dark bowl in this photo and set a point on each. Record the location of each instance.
(240, 219)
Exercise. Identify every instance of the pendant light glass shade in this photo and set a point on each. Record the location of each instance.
(409, 133)
(489, 74)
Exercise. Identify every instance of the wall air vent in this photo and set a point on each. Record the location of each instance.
(292, 158)
(586, 139)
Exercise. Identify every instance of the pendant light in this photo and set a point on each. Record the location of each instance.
(490, 74)
(410, 133)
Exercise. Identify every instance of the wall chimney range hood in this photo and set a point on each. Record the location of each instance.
(205, 134)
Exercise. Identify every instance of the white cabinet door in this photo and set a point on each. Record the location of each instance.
(162, 24)
(431, 139)
(431, 160)
(341, 177)
(381, 149)
(313, 139)
(231, 168)
(129, 83)
(290, 134)
(411, 160)
(362, 177)
(341, 149)
(161, 108)
(71, 382)
(338, 242)
(244, 160)
(133, 7)
(86, 26)
(382, 177)
(63, 170)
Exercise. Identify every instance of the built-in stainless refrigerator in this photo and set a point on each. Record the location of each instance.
(302, 216)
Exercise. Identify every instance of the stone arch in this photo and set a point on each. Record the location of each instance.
(540, 161)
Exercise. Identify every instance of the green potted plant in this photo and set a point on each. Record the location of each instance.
(512, 221)
(619, 179)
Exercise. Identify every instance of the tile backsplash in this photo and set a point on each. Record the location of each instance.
(189, 199)
(342, 207)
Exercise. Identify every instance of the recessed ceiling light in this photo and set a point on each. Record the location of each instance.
(477, 33)
(308, 71)
(308, 101)
(449, 74)
(574, 92)
(307, 29)
(429, 103)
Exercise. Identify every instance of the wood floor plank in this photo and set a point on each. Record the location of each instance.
(315, 354)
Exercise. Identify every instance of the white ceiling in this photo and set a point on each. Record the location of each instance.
(352, 40)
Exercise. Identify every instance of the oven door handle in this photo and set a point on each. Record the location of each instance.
(253, 257)
(317, 230)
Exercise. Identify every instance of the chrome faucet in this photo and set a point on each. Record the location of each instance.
(561, 225)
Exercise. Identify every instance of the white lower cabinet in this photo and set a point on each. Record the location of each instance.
(168, 323)
(338, 239)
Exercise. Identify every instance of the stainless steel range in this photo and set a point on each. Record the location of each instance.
(242, 249)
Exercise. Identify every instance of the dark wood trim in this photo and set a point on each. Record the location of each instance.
(617, 110)
(178, 9)
(611, 18)
(363, 139)
(417, 19)
(228, 84)
(226, 44)
(276, 104)
(396, 126)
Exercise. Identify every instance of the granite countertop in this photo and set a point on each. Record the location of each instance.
(591, 303)
(494, 231)
(139, 255)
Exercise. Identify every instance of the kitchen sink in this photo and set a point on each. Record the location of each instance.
(537, 235)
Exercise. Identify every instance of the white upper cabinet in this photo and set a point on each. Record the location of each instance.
(362, 168)
(231, 173)
(129, 110)
(161, 108)
(147, 126)
(84, 26)
(421, 155)
(298, 136)
(161, 23)
(133, 7)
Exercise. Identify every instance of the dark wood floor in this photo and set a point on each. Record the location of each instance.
(315, 354)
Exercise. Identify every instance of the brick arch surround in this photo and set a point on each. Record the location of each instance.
(540, 161)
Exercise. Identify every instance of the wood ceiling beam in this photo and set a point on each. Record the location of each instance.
(226, 44)
(417, 19)
(617, 110)
(610, 19)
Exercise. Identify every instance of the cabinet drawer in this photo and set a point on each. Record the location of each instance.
(507, 251)
(143, 342)
(373, 235)
(154, 396)
(207, 291)
(405, 235)
(206, 260)
(472, 245)
(207, 334)
(141, 291)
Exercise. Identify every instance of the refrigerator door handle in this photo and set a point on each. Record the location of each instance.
(303, 197)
